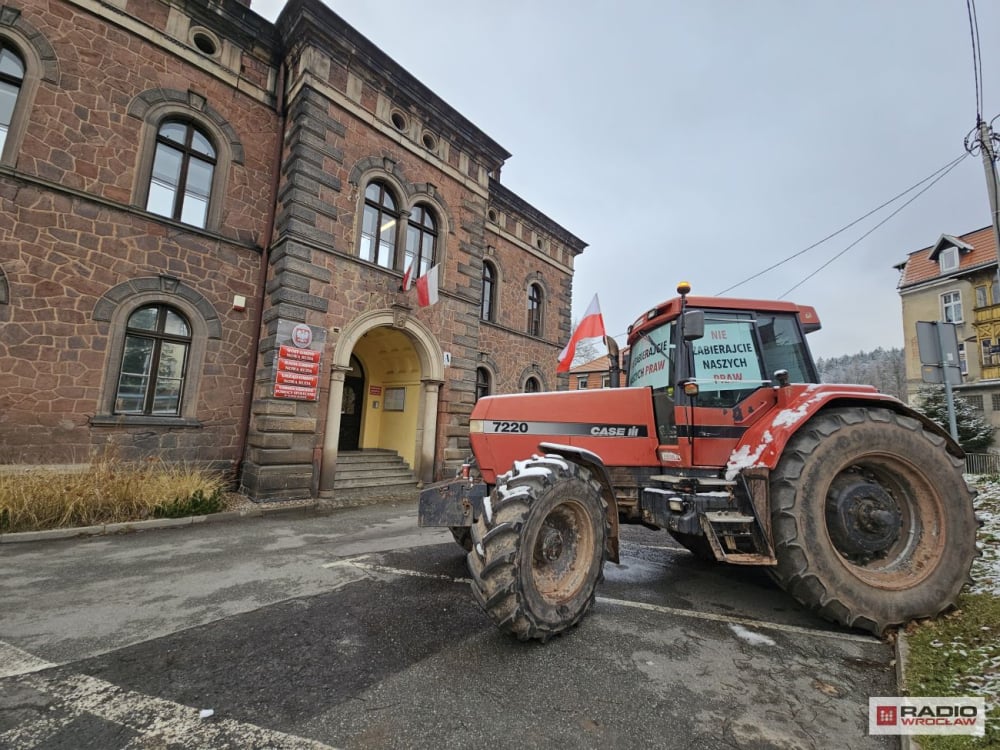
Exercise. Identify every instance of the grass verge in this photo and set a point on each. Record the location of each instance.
(105, 491)
(959, 654)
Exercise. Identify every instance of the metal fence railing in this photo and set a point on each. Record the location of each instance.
(982, 463)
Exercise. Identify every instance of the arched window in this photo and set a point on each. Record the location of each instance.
(531, 385)
(11, 79)
(484, 383)
(535, 300)
(378, 226)
(421, 241)
(154, 361)
(180, 186)
(489, 292)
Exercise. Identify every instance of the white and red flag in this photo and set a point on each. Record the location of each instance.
(427, 285)
(581, 346)
(407, 278)
(427, 288)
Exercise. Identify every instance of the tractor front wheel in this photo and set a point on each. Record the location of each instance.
(873, 522)
(538, 548)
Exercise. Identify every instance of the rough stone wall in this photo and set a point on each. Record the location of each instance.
(72, 238)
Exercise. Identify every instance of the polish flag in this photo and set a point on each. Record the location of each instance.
(427, 288)
(407, 278)
(590, 327)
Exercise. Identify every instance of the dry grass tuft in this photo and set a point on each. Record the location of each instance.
(106, 491)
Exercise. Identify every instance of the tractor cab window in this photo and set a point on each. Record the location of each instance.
(726, 361)
(783, 348)
(651, 363)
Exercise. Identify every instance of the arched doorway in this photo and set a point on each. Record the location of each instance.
(392, 367)
(352, 407)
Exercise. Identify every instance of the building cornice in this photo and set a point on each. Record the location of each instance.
(310, 22)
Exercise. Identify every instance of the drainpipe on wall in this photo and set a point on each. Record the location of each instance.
(265, 260)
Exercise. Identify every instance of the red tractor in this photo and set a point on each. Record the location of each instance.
(724, 437)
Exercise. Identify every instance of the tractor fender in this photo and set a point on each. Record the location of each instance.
(764, 443)
(595, 465)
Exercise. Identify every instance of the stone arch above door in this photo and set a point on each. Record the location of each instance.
(428, 350)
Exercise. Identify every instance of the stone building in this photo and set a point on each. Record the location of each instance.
(207, 218)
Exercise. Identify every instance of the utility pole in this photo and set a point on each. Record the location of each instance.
(986, 148)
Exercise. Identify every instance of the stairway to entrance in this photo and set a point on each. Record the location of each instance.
(369, 476)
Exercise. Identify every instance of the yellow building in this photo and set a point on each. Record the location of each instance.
(955, 281)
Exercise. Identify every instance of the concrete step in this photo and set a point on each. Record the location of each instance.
(343, 484)
(401, 472)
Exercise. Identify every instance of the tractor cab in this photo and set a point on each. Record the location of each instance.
(711, 365)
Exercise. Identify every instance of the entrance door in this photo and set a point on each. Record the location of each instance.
(350, 414)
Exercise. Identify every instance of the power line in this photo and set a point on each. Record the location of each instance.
(939, 177)
(945, 169)
(977, 60)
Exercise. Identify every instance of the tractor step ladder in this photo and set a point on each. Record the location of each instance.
(725, 528)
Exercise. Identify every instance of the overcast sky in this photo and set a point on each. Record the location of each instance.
(707, 140)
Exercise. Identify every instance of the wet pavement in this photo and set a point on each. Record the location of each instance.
(356, 629)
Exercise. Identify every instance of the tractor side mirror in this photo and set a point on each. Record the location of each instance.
(694, 325)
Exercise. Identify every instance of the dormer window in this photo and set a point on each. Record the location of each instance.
(948, 259)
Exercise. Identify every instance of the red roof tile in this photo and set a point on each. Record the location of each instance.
(919, 268)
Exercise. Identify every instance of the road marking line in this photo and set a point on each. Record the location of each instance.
(14, 661)
(152, 718)
(738, 620)
(354, 563)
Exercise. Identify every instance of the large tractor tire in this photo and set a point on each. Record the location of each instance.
(538, 549)
(873, 522)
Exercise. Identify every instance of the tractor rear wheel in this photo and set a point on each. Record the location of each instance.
(538, 548)
(873, 522)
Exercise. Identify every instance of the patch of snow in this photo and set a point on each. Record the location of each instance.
(522, 469)
(743, 459)
(557, 460)
(789, 417)
(986, 567)
(480, 550)
(488, 508)
(750, 636)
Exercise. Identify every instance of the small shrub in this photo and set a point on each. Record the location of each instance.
(105, 491)
(196, 504)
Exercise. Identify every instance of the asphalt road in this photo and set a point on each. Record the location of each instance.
(356, 629)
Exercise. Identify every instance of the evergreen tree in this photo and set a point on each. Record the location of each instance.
(975, 434)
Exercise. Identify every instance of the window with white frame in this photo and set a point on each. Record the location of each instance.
(981, 296)
(951, 307)
(581, 382)
(987, 350)
(948, 259)
(963, 363)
